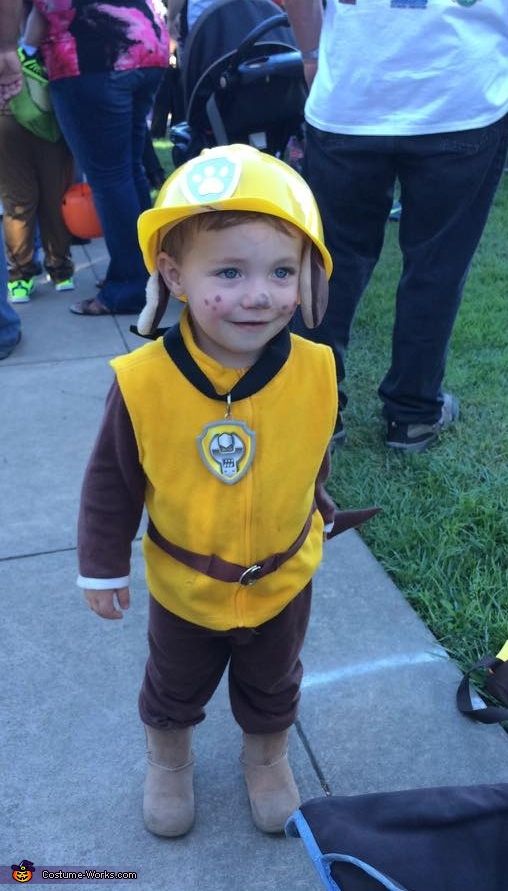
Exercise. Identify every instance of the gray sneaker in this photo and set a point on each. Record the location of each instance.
(418, 437)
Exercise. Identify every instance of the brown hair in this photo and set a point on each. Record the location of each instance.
(179, 237)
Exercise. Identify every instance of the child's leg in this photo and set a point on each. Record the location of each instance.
(265, 670)
(264, 680)
(54, 171)
(20, 196)
(184, 667)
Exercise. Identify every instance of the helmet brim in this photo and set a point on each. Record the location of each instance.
(152, 221)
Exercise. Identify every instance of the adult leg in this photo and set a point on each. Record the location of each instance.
(96, 115)
(166, 103)
(151, 164)
(10, 324)
(148, 80)
(20, 197)
(54, 173)
(352, 178)
(448, 182)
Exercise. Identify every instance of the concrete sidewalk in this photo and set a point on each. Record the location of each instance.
(378, 705)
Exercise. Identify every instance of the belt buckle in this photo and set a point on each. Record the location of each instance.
(246, 577)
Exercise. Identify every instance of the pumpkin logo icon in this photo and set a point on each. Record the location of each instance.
(23, 871)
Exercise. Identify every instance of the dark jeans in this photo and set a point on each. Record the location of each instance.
(103, 118)
(187, 661)
(168, 101)
(448, 181)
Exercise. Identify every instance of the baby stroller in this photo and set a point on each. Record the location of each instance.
(242, 80)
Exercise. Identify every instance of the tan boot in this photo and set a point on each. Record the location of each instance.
(168, 801)
(273, 793)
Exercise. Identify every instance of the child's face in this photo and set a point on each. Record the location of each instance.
(241, 284)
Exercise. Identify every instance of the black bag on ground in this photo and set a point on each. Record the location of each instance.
(496, 684)
(450, 838)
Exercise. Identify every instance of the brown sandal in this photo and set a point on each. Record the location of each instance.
(90, 307)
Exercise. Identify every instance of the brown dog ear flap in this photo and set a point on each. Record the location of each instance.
(313, 286)
(157, 296)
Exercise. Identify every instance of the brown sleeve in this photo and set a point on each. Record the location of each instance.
(341, 519)
(325, 503)
(112, 496)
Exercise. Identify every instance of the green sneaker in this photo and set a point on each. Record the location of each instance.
(20, 290)
(66, 285)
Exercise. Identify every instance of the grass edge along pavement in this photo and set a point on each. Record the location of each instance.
(443, 532)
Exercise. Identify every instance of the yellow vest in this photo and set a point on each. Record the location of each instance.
(293, 417)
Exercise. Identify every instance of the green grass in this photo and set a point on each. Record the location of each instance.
(443, 533)
(163, 149)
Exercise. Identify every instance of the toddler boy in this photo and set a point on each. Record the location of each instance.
(221, 428)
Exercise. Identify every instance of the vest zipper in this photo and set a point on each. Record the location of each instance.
(243, 590)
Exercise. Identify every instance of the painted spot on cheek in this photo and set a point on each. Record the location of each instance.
(207, 302)
(218, 298)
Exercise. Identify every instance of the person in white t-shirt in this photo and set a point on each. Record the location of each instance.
(415, 90)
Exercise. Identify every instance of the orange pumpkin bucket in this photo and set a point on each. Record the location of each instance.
(79, 213)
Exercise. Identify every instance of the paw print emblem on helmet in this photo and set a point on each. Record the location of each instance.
(211, 179)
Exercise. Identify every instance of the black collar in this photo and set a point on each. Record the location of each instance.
(258, 375)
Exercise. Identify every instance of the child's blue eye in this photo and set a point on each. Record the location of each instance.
(283, 272)
(230, 272)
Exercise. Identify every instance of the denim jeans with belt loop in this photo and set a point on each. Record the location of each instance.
(103, 118)
(448, 182)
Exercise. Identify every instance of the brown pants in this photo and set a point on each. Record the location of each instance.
(186, 663)
(34, 174)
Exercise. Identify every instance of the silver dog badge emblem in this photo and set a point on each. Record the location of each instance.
(227, 449)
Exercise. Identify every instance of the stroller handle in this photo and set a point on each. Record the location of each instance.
(282, 65)
(275, 21)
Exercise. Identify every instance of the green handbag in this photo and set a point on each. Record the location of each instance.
(32, 106)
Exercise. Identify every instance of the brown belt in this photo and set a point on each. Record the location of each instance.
(222, 570)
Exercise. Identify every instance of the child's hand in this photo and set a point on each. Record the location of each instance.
(103, 602)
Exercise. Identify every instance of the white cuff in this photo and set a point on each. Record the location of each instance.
(328, 526)
(102, 584)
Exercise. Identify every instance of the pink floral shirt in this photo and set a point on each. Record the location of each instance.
(86, 36)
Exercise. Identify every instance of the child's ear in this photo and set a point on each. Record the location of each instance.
(169, 268)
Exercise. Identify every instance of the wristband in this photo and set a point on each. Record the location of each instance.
(310, 55)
